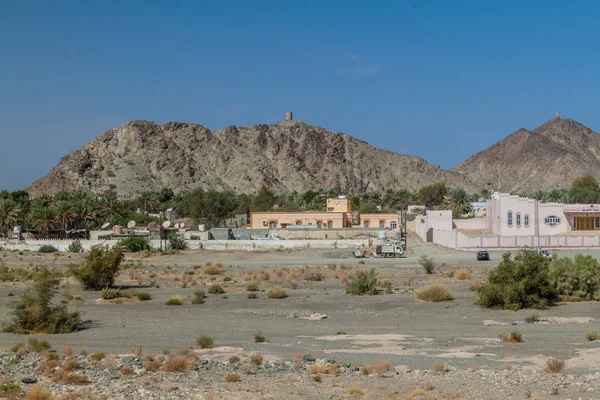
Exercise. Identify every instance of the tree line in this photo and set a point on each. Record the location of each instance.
(84, 210)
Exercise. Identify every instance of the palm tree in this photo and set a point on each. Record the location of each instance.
(557, 196)
(9, 214)
(43, 216)
(64, 213)
(148, 199)
(84, 210)
(111, 209)
(458, 201)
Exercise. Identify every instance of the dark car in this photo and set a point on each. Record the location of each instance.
(483, 255)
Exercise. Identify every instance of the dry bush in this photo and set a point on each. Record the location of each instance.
(434, 293)
(234, 359)
(461, 275)
(48, 368)
(233, 377)
(279, 273)
(67, 378)
(204, 341)
(98, 356)
(68, 351)
(554, 366)
(591, 335)
(298, 357)
(318, 369)
(264, 275)
(149, 357)
(127, 371)
(71, 365)
(152, 365)
(380, 367)
(416, 393)
(178, 364)
(506, 367)
(256, 359)
(514, 336)
(342, 276)
(315, 275)
(439, 367)
(212, 269)
(38, 392)
(50, 355)
(355, 390)
(137, 351)
(246, 368)
(297, 273)
(277, 292)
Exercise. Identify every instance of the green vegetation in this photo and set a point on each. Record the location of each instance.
(277, 292)
(215, 288)
(99, 269)
(575, 279)
(585, 190)
(36, 313)
(252, 287)
(434, 293)
(252, 296)
(427, 263)
(174, 301)
(135, 244)
(143, 296)
(204, 341)
(259, 337)
(47, 248)
(198, 297)
(177, 243)
(75, 246)
(362, 283)
(109, 293)
(37, 345)
(522, 281)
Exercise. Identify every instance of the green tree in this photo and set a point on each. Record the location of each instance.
(43, 216)
(433, 195)
(148, 200)
(64, 212)
(459, 201)
(585, 190)
(558, 196)
(9, 214)
(263, 201)
(99, 269)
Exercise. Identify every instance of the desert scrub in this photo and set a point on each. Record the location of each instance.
(10, 391)
(439, 367)
(576, 279)
(514, 336)
(380, 367)
(178, 364)
(428, 264)
(35, 311)
(252, 287)
(47, 248)
(215, 288)
(143, 296)
(252, 296)
(362, 283)
(177, 243)
(109, 294)
(314, 276)
(233, 377)
(212, 269)
(554, 366)
(461, 275)
(36, 345)
(277, 292)
(174, 301)
(75, 246)
(259, 337)
(591, 335)
(99, 269)
(98, 356)
(135, 244)
(256, 359)
(434, 293)
(522, 281)
(204, 341)
(198, 297)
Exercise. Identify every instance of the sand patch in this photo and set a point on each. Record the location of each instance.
(589, 358)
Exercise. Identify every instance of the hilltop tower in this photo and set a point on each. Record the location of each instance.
(557, 115)
(288, 116)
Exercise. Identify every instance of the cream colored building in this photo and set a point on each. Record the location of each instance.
(338, 215)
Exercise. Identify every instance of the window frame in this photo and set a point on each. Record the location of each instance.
(518, 220)
(509, 218)
(526, 220)
(393, 225)
(552, 221)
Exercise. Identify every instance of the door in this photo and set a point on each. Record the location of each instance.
(585, 223)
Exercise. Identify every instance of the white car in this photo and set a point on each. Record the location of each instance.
(544, 253)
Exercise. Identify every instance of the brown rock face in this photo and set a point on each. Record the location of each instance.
(551, 156)
(287, 156)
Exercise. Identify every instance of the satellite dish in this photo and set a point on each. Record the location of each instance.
(182, 225)
(177, 226)
(131, 224)
(105, 225)
(166, 224)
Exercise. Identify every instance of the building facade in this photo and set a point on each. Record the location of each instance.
(338, 215)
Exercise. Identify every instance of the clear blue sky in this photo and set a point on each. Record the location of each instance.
(440, 79)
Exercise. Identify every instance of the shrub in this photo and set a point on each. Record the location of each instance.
(215, 288)
(554, 366)
(177, 243)
(234, 359)
(37, 345)
(252, 296)
(233, 377)
(434, 293)
(10, 391)
(518, 282)
(227, 279)
(38, 392)
(204, 341)
(506, 367)
(135, 244)
(35, 312)
(314, 275)
(143, 296)
(256, 359)
(259, 338)
(362, 283)
(277, 292)
(514, 336)
(591, 335)
(137, 351)
(439, 367)
(212, 269)
(355, 390)
(532, 319)
(178, 364)
(127, 371)
(428, 264)
(68, 351)
(99, 269)
(98, 356)
(198, 297)
(152, 365)
(252, 287)
(47, 248)
(174, 301)
(576, 279)
(75, 246)
(461, 275)
(109, 294)
(380, 367)
(317, 378)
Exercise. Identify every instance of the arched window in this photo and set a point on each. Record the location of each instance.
(393, 225)
(298, 222)
(518, 219)
(526, 220)
(510, 215)
(330, 224)
(319, 224)
(382, 224)
(552, 220)
(366, 225)
(272, 225)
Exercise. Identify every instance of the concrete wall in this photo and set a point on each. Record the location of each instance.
(375, 220)
(262, 220)
(470, 224)
(440, 220)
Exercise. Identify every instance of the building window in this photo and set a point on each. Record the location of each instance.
(526, 220)
(330, 224)
(597, 222)
(393, 225)
(319, 224)
(382, 224)
(273, 225)
(519, 220)
(574, 223)
(366, 225)
(329, 209)
(298, 222)
(510, 215)
(552, 220)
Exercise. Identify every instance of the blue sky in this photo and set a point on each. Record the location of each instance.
(438, 79)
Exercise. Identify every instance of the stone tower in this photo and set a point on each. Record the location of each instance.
(288, 116)
(557, 115)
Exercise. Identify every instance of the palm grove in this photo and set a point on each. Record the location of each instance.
(84, 210)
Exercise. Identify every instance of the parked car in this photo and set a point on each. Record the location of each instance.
(544, 253)
(483, 255)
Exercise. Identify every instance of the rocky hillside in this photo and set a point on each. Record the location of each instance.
(287, 156)
(550, 156)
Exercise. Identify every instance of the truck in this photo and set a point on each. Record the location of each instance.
(386, 250)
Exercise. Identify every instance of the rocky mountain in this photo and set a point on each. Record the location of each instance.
(550, 156)
(287, 156)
